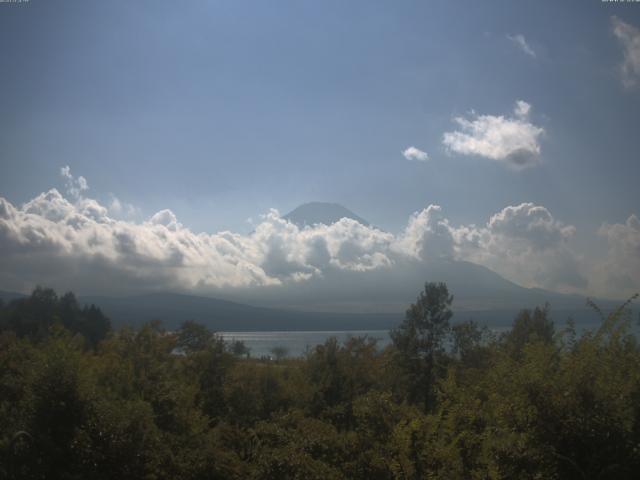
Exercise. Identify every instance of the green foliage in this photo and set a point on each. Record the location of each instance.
(33, 316)
(469, 342)
(279, 352)
(419, 342)
(193, 337)
(152, 404)
(256, 391)
(239, 349)
(338, 375)
(530, 327)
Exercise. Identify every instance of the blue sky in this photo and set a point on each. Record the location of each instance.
(219, 111)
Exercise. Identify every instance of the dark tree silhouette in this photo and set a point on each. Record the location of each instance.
(419, 341)
(34, 316)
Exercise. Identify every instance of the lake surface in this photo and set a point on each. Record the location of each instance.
(297, 343)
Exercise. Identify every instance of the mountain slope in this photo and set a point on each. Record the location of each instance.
(8, 296)
(478, 292)
(220, 315)
(320, 212)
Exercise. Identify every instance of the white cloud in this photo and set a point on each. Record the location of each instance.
(522, 109)
(629, 37)
(522, 44)
(619, 273)
(53, 240)
(428, 235)
(81, 246)
(415, 154)
(82, 183)
(119, 208)
(66, 172)
(531, 223)
(75, 186)
(513, 141)
(167, 219)
(526, 244)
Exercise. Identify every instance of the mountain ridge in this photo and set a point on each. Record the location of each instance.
(327, 213)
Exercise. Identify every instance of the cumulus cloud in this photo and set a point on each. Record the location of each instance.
(415, 154)
(79, 245)
(526, 244)
(522, 109)
(51, 230)
(118, 208)
(428, 235)
(620, 271)
(629, 37)
(521, 42)
(531, 223)
(75, 186)
(167, 219)
(513, 141)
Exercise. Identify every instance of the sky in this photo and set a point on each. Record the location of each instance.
(507, 128)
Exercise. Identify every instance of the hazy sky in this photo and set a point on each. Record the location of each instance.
(219, 111)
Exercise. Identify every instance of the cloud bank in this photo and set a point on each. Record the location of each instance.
(512, 141)
(76, 243)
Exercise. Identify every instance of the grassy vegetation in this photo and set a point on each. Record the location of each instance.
(534, 403)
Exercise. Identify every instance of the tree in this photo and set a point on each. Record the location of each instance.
(279, 352)
(239, 349)
(193, 337)
(95, 325)
(528, 327)
(419, 341)
(467, 339)
(34, 316)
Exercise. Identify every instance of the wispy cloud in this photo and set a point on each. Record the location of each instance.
(75, 186)
(119, 208)
(415, 154)
(629, 37)
(521, 42)
(513, 141)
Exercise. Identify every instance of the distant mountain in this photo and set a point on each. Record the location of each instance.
(479, 293)
(8, 296)
(221, 315)
(319, 212)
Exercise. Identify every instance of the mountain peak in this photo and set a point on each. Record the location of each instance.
(321, 212)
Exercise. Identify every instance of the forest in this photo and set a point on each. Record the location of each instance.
(446, 400)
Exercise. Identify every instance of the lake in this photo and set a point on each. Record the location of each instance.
(297, 343)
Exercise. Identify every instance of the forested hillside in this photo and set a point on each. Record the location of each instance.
(81, 400)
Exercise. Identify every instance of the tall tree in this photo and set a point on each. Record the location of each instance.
(194, 337)
(419, 341)
(530, 326)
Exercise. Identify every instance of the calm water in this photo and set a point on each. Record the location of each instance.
(297, 343)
